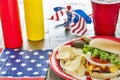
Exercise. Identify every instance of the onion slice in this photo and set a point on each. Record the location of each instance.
(88, 57)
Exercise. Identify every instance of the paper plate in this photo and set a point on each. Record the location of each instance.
(55, 65)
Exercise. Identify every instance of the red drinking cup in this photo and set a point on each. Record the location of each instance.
(105, 17)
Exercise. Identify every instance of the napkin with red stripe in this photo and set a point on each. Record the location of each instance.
(18, 64)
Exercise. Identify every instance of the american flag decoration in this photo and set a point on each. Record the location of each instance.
(79, 28)
(76, 19)
(58, 15)
(17, 64)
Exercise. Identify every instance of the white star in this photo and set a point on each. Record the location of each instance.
(35, 53)
(19, 73)
(47, 61)
(16, 49)
(13, 68)
(3, 72)
(8, 64)
(29, 69)
(35, 73)
(17, 60)
(7, 52)
(38, 65)
(45, 69)
(32, 61)
(41, 57)
(12, 56)
(23, 64)
(3, 60)
(21, 53)
(26, 57)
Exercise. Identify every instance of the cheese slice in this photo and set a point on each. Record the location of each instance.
(113, 68)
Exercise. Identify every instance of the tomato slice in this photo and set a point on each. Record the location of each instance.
(96, 59)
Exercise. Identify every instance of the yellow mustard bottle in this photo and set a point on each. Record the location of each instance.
(34, 19)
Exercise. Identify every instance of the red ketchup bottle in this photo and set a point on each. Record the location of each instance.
(10, 20)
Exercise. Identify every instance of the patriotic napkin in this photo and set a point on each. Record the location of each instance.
(17, 64)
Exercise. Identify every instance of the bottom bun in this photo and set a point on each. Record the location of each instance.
(105, 75)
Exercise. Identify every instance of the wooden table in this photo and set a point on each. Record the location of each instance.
(66, 36)
(53, 37)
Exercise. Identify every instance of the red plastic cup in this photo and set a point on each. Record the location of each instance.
(11, 26)
(105, 17)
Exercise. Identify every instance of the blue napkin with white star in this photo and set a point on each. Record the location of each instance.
(24, 63)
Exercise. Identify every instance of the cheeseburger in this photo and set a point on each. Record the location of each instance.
(103, 58)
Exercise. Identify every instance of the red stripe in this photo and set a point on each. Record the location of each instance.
(22, 78)
(84, 31)
(91, 15)
(61, 13)
(77, 26)
(57, 16)
(83, 26)
(52, 17)
(1, 50)
(73, 25)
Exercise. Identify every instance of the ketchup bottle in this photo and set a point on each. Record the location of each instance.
(10, 21)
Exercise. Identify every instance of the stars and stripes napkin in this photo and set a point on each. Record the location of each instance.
(24, 64)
